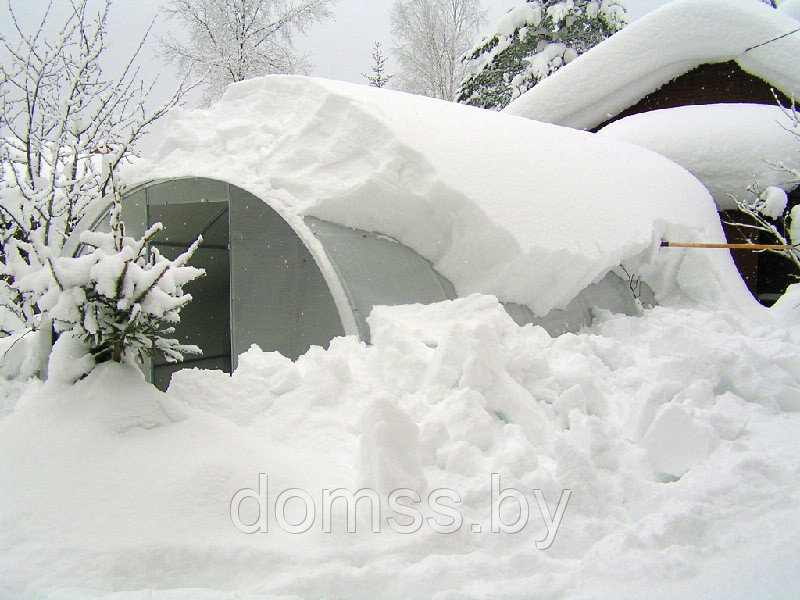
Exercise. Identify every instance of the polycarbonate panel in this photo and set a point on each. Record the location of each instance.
(184, 222)
(182, 191)
(205, 321)
(610, 293)
(134, 213)
(377, 270)
(280, 299)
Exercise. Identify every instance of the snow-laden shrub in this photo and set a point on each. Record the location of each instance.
(119, 298)
(67, 124)
(772, 219)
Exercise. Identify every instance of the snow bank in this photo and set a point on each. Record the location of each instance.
(103, 490)
(529, 212)
(726, 146)
(659, 47)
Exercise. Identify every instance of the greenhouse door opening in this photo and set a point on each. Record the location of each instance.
(262, 285)
(205, 321)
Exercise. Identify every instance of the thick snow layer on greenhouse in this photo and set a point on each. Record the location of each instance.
(728, 147)
(661, 46)
(529, 212)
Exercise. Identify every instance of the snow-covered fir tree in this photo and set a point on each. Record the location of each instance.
(530, 42)
(118, 300)
(378, 77)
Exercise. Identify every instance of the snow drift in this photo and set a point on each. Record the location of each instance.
(529, 212)
(676, 433)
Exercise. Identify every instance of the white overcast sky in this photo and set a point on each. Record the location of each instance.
(339, 48)
(342, 49)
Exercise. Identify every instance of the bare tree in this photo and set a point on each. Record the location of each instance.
(430, 38)
(65, 127)
(234, 40)
(378, 78)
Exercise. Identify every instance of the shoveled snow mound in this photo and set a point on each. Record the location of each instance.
(529, 212)
(676, 433)
(659, 47)
(726, 146)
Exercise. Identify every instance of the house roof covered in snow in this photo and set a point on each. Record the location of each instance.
(729, 147)
(661, 46)
(527, 211)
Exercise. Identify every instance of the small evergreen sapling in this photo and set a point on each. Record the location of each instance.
(378, 78)
(120, 298)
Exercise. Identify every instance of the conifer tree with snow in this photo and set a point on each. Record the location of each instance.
(118, 300)
(378, 77)
(532, 41)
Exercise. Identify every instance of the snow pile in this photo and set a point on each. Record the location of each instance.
(21, 354)
(529, 212)
(728, 147)
(675, 434)
(659, 47)
(774, 201)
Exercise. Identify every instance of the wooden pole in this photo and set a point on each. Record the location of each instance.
(667, 244)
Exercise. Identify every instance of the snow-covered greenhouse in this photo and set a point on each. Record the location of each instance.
(318, 200)
(282, 286)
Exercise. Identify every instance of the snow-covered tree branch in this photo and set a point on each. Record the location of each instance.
(530, 42)
(771, 219)
(430, 38)
(65, 127)
(234, 40)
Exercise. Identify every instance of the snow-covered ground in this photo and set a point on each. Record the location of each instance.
(654, 455)
(675, 431)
